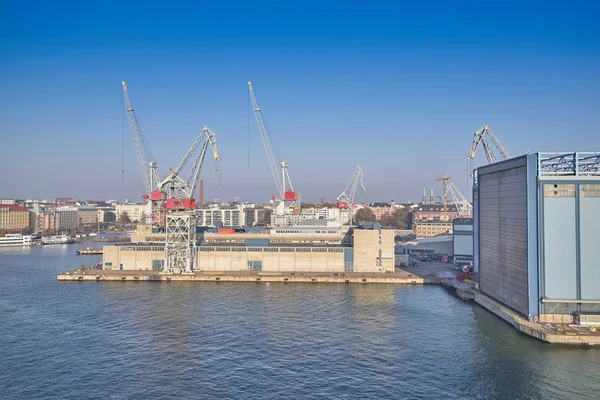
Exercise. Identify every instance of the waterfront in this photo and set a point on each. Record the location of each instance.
(250, 340)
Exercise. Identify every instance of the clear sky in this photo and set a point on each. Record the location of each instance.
(397, 87)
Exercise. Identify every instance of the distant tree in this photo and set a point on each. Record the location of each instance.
(365, 215)
(143, 217)
(124, 218)
(109, 216)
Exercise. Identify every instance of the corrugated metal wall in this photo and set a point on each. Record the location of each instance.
(502, 220)
(589, 210)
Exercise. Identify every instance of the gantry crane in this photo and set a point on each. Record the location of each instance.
(285, 190)
(180, 221)
(148, 166)
(346, 199)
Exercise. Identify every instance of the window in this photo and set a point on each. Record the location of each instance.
(254, 265)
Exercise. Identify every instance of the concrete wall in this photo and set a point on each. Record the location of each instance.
(289, 260)
(132, 257)
(369, 246)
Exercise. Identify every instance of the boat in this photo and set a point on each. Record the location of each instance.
(15, 239)
(58, 239)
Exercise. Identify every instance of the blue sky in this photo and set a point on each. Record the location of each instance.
(397, 87)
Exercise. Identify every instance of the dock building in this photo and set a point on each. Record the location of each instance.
(320, 248)
(536, 235)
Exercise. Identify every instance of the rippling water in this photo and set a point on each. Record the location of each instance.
(112, 340)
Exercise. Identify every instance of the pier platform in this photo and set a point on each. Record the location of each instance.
(96, 274)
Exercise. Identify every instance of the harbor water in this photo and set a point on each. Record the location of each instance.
(112, 340)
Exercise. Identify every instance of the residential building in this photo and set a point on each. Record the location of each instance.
(66, 218)
(433, 212)
(216, 215)
(87, 215)
(430, 228)
(14, 217)
(137, 212)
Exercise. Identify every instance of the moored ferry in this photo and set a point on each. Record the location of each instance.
(15, 239)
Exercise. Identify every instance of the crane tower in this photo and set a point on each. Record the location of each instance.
(148, 166)
(345, 201)
(180, 224)
(283, 183)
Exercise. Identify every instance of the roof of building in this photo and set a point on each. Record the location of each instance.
(12, 207)
(435, 208)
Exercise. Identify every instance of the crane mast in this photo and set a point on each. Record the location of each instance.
(283, 182)
(148, 166)
(180, 221)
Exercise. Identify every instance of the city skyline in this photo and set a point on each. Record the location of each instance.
(397, 89)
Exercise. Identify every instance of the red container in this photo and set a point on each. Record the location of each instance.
(225, 230)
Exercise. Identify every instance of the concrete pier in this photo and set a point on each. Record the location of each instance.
(96, 275)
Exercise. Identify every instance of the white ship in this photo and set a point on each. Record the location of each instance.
(15, 239)
(61, 239)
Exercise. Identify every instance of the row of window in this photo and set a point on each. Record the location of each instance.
(274, 249)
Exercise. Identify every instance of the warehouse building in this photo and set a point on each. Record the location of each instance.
(537, 233)
(305, 249)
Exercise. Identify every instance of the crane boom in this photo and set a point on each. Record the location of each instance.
(148, 167)
(280, 181)
(480, 138)
(346, 198)
(174, 184)
(463, 207)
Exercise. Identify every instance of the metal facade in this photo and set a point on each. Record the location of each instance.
(537, 232)
(502, 236)
(589, 209)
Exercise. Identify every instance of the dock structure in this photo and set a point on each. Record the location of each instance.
(89, 252)
(98, 275)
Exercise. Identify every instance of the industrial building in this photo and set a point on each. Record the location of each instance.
(282, 249)
(462, 240)
(537, 233)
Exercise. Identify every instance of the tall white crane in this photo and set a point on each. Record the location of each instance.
(463, 207)
(346, 198)
(480, 138)
(282, 180)
(177, 187)
(180, 218)
(148, 166)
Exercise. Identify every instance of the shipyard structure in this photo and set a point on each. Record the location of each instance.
(537, 237)
(330, 248)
